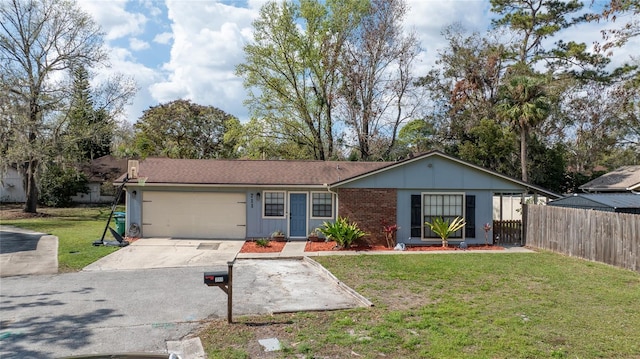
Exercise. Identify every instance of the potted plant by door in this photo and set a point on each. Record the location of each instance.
(313, 236)
(278, 236)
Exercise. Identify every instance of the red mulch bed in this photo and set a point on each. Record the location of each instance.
(331, 246)
(252, 247)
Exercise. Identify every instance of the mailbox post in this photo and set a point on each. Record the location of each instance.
(224, 281)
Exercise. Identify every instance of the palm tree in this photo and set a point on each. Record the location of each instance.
(445, 228)
(523, 102)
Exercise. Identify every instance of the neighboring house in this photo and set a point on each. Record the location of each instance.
(624, 179)
(240, 199)
(12, 189)
(101, 172)
(507, 207)
(609, 202)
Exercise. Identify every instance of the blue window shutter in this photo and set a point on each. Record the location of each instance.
(470, 217)
(416, 213)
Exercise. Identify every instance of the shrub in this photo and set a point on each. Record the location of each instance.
(341, 231)
(59, 184)
(262, 242)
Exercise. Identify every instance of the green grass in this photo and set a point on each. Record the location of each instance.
(76, 229)
(538, 305)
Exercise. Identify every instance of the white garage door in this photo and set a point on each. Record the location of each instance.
(194, 215)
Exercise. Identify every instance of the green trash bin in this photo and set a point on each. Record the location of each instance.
(119, 218)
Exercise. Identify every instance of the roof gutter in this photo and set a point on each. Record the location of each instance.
(222, 185)
(328, 187)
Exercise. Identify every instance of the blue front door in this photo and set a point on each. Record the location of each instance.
(297, 215)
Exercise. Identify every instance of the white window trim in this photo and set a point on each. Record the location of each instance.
(464, 208)
(333, 203)
(264, 203)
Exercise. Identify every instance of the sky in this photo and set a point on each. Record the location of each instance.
(188, 49)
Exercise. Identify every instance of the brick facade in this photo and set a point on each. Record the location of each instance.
(370, 208)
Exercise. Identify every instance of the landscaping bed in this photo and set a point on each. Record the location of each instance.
(271, 247)
(331, 246)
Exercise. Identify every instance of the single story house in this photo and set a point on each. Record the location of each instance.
(242, 199)
(101, 172)
(625, 179)
(609, 202)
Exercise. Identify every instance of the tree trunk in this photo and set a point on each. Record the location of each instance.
(31, 189)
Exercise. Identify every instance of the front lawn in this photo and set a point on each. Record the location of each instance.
(76, 229)
(467, 305)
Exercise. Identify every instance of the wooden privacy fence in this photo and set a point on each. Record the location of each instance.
(507, 232)
(607, 237)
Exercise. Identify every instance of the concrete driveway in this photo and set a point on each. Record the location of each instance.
(150, 297)
(90, 312)
(27, 252)
(149, 253)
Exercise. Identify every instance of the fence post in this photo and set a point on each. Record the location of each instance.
(525, 212)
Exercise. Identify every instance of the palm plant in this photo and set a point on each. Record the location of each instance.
(444, 229)
(524, 103)
(341, 231)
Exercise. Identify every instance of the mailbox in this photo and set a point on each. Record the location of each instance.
(216, 278)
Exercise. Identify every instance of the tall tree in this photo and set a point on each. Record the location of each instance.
(182, 129)
(291, 68)
(524, 104)
(90, 130)
(534, 21)
(464, 85)
(527, 101)
(377, 89)
(417, 136)
(39, 41)
(625, 11)
(491, 145)
(597, 115)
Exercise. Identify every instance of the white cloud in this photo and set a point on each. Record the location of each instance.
(154, 11)
(163, 38)
(207, 45)
(114, 19)
(138, 45)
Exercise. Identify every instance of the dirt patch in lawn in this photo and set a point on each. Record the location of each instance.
(253, 247)
(16, 211)
(331, 246)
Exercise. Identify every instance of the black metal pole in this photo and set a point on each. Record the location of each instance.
(114, 205)
(230, 294)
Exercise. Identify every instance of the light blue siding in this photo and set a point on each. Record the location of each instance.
(256, 225)
(436, 173)
(260, 227)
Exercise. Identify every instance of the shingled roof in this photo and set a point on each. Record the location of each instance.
(251, 172)
(623, 179)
